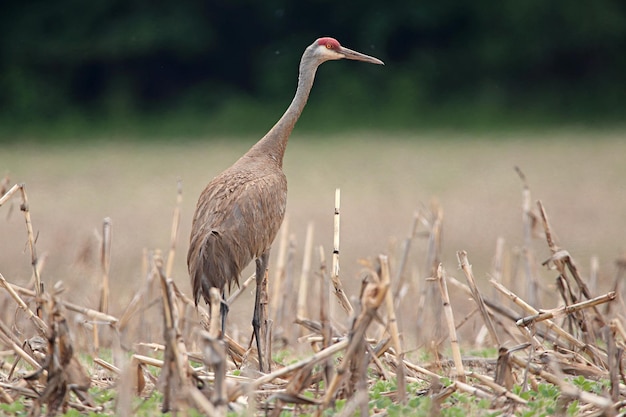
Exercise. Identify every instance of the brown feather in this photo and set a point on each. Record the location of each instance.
(237, 218)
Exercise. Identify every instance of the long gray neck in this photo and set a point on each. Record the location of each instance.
(274, 143)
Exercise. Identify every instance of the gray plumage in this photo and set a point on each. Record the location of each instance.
(241, 210)
(246, 209)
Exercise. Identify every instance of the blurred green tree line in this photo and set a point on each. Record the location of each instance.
(230, 65)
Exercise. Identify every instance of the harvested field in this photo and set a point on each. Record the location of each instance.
(537, 321)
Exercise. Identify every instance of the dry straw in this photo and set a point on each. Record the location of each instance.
(574, 336)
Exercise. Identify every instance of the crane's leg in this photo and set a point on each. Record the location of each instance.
(224, 308)
(257, 320)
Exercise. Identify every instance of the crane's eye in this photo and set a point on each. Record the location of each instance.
(329, 46)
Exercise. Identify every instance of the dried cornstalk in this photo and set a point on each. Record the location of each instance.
(497, 311)
(504, 372)
(148, 360)
(497, 308)
(235, 350)
(215, 322)
(478, 299)
(324, 311)
(565, 310)
(556, 260)
(303, 288)
(528, 220)
(594, 267)
(358, 400)
(91, 313)
(214, 356)
(29, 229)
(201, 402)
(241, 289)
(400, 276)
(298, 382)
(27, 392)
(316, 358)
(447, 308)
(268, 345)
(64, 371)
(108, 366)
(593, 351)
(105, 263)
(421, 370)
(618, 328)
(6, 196)
(614, 354)
(477, 392)
(334, 274)
(175, 374)
(174, 231)
(392, 327)
(7, 339)
(139, 302)
(372, 297)
(429, 315)
(279, 271)
(39, 324)
(498, 260)
(142, 299)
(284, 318)
(379, 364)
(5, 397)
(620, 263)
(561, 258)
(4, 184)
(498, 389)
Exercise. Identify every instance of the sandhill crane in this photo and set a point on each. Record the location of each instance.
(240, 211)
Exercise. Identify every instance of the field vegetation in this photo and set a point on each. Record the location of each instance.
(117, 330)
(114, 115)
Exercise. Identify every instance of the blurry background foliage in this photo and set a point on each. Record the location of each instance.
(145, 68)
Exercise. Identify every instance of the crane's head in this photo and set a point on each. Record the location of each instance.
(326, 49)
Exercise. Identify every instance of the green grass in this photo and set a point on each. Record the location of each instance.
(546, 400)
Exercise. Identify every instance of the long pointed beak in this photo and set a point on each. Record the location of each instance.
(357, 56)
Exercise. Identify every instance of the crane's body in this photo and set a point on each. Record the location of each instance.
(234, 229)
(241, 210)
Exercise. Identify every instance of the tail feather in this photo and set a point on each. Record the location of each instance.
(212, 263)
